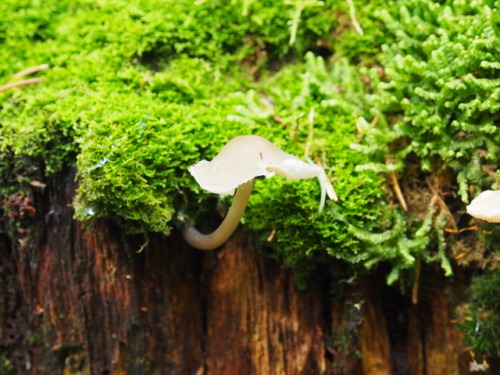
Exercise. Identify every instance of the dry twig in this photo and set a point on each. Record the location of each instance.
(21, 83)
(397, 191)
(28, 71)
(23, 73)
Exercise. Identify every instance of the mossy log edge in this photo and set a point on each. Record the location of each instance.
(80, 300)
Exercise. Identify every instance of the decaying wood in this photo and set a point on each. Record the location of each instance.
(435, 345)
(89, 304)
(258, 322)
(375, 344)
(79, 299)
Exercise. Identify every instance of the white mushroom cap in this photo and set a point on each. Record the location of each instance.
(244, 158)
(486, 206)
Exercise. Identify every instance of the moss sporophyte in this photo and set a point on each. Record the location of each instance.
(241, 160)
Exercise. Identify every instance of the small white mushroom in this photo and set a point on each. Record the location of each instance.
(241, 160)
(486, 206)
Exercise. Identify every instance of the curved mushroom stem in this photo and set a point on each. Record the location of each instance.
(226, 228)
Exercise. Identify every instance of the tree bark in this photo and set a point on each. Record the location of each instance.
(375, 344)
(258, 322)
(79, 299)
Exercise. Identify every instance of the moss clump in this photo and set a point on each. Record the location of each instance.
(442, 75)
(481, 319)
(438, 91)
(140, 90)
(98, 50)
(123, 63)
(289, 210)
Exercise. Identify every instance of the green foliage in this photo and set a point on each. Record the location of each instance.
(139, 90)
(442, 74)
(481, 320)
(6, 366)
(154, 31)
(118, 64)
(98, 49)
(133, 167)
(436, 105)
(360, 47)
(361, 229)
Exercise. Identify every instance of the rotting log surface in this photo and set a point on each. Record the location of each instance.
(78, 299)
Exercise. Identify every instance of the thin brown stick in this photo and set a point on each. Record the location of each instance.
(442, 204)
(464, 254)
(21, 83)
(28, 71)
(451, 230)
(397, 190)
(270, 238)
(143, 246)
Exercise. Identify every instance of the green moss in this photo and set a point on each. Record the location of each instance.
(290, 209)
(481, 318)
(437, 92)
(360, 47)
(442, 75)
(100, 49)
(139, 90)
(6, 366)
(119, 64)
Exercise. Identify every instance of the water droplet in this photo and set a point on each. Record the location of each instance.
(102, 162)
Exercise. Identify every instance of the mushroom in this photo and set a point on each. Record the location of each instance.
(241, 160)
(486, 206)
